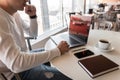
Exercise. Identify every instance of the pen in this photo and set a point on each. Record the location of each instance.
(79, 49)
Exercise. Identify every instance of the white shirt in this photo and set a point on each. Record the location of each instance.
(18, 31)
(12, 59)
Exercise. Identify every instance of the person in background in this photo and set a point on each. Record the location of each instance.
(110, 15)
(112, 8)
(14, 58)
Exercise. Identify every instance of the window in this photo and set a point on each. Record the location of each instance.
(54, 13)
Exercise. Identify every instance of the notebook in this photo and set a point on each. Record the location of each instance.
(77, 34)
(97, 65)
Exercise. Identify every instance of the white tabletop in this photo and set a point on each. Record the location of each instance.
(68, 63)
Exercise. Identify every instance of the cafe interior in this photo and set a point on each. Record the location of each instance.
(105, 16)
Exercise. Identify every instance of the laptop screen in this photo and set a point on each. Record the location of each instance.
(79, 27)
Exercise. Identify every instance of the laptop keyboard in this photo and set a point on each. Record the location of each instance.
(69, 39)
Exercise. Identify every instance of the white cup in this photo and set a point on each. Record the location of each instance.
(104, 44)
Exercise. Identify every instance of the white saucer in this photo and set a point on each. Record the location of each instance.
(103, 50)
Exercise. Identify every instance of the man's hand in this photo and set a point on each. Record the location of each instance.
(30, 10)
(63, 47)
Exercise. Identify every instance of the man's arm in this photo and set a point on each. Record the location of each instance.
(32, 27)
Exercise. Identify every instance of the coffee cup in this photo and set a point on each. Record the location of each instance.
(104, 44)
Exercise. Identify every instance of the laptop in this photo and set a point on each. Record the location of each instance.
(77, 34)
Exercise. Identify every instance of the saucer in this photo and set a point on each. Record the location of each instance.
(104, 50)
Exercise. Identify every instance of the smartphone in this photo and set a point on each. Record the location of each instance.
(84, 53)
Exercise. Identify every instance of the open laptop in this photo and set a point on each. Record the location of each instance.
(77, 34)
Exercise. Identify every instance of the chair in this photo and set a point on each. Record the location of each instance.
(28, 42)
(2, 77)
(30, 47)
(106, 25)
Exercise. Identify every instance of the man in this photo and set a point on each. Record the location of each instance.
(13, 58)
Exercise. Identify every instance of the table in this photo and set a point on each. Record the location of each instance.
(68, 63)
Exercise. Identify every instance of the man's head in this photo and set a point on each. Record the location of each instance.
(11, 6)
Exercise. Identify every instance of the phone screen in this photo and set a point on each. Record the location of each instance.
(84, 53)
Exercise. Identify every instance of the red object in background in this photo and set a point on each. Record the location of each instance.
(78, 26)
